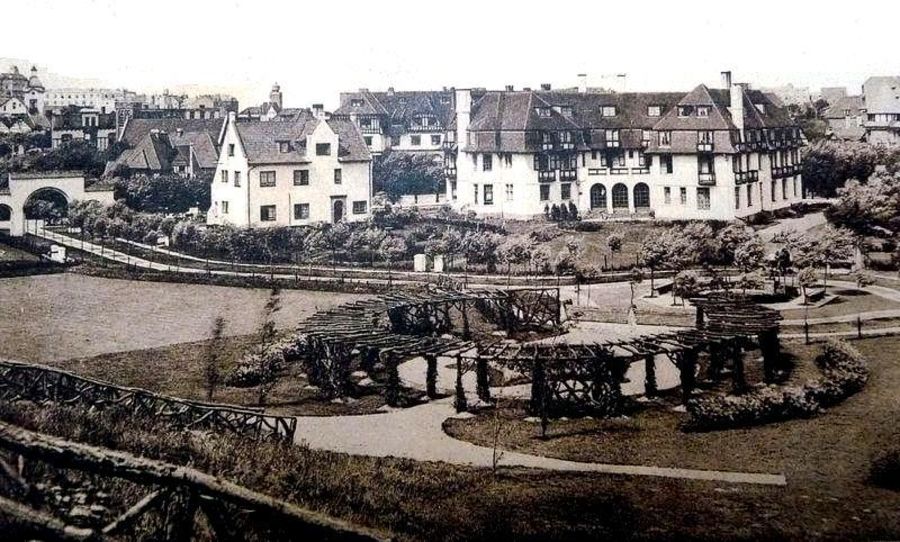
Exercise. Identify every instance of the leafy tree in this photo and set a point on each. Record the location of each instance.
(686, 284)
(866, 207)
(212, 369)
(806, 278)
(614, 242)
(827, 165)
(654, 252)
(164, 193)
(399, 173)
(750, 255)
(392, 249)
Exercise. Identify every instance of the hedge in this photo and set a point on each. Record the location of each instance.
(844, 372)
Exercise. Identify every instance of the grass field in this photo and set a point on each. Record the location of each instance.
(10, 254)
(54, 317)
(848, 302)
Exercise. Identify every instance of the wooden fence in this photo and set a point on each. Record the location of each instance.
(38, 383)
(177, 494)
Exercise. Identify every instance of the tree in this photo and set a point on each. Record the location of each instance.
(212, 370)
(654, 252)
(827, 165)
(614, 242)
(806, 278)
(392, 249)
(686, 284)
(866, 207)
(834, 244)
(750, 255)
(399, 173)
(515, 251)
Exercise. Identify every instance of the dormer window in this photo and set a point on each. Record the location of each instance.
(323, 149)
(665, 138)
(356, 102)
(654, 111)
(684, 111)
(284, 146)
(445, 100)
(565, 110)
(542, 111)
(703, 111)
(608, 111)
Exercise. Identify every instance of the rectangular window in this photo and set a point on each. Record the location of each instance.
(323, 149)
(683, 195)
(337, 176)
(774, 189)
(703, 197)
(784, 188)
(565, 191)
(749, 195)
(702, 111)
(487, 162)
(654, 111)
(224, 207)
(608, 111)
(267, 213)
(237, 178)
(667, 195)
(665, 164)
(737, 197)
(435, 140)
(453, 190)
(665, 138)
(301, 177)
(415, 140)
(301, 211)
(231, 149)
(475, 189)
(509, 192)
(284, 146)
(360, 207)
(545, 192)
(488, 194)
(224, 175)
(368, 140)
(266, 179)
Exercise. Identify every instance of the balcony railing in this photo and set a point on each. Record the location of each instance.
(429, 128)
(370, 129)
(704, 146)
(567, 146)
(706, 179)
(448, 145)
(597, 171)
(450, 172)
(612, 144)
(547, 146)
(786, 171)
(746, 176)
(641, 170)
(545, 176)
(568, 175)
(619, 171)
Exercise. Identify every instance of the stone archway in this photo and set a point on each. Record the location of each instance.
(65, 185)
(49, 204)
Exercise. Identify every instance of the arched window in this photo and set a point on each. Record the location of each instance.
(620, 196)
(641, 196)
(5, 213)
(598, 196)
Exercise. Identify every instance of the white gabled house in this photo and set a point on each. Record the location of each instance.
(293, 172)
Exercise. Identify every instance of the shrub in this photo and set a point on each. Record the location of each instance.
(885, 470)
(844, 372)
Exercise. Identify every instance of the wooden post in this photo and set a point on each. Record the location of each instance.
(650, 386)
(467, 333)
(482, 379)
(459, 400)
(392, 389)
(738, 380)
(687, 367)
(431, 376)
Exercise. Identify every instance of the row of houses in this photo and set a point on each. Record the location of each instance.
(872, 116)
(711, 153)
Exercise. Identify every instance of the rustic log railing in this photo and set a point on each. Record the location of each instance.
(38, 383)
(184, 490)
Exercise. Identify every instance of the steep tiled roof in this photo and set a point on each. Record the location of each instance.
(400, 107)
(838, 111)
(261, 140)
(152, 153)
(136, 129)
(203, 146)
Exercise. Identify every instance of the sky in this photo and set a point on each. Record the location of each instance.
(314, 50)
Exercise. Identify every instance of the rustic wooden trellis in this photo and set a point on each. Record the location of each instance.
(40, 384)
(401, 325)
(176, 494)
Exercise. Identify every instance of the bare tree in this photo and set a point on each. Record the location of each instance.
(212, 370)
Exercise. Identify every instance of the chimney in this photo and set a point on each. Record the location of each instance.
(736, 94)
(726, 79)
(232, 116)
(463, 116)
(364, 90)
(526, 89)
(582, 83)
(390, 91)
(510, 88)
(545, 86)
(318, 111)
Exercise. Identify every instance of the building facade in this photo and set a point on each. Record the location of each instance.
(28, 91)
(881, 97)
(708, 154)
(297, 172)
(404, 121)
(846, 118)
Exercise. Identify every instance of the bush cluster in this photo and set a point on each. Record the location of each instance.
(844, 372)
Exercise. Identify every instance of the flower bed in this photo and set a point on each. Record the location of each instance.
(844, 372)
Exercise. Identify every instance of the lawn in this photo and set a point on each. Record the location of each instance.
(177, 370)
(825, 459)
(10, 254)
(848, 302)
(63, 316)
